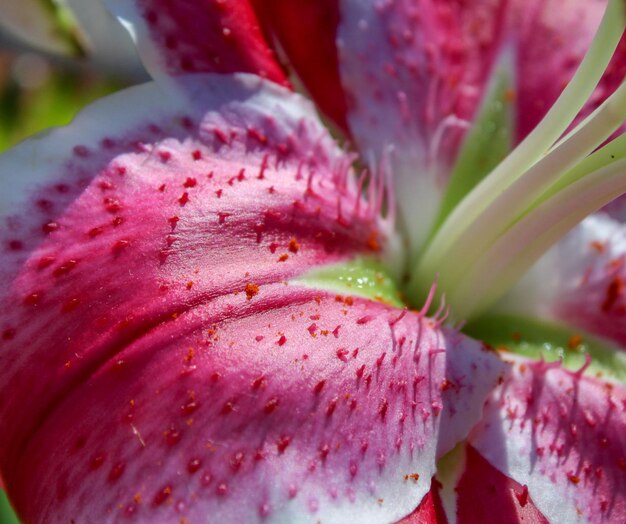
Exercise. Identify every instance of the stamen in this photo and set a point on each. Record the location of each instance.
(512, 254)
(556, 121)
(515, 200)
(536, 174)
(488, 140)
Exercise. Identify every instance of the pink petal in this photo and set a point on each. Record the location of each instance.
(486, 495)
(411, 77)
(405, 78)
(153, 202)
(246, 417)
(176, 37)
(389, 54)
(414, 73)
(157, 363)
(561, 434)
(580, 282)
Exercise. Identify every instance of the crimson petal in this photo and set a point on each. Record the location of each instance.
(177, 37)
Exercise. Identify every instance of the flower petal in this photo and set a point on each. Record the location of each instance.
(561, 434)
(153, 332)
(580, 282)
(177, 37)
(260, 420)
(311, 48)
(183, 189)
(413, 74)
(484, 494)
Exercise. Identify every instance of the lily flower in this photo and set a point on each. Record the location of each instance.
(212, 312)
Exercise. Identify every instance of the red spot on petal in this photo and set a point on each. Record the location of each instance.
(112, 205)
(45, 262)
(70, 305)
(228, 408)
(194, 465)
(189, 407)
(96, 462)
(172, 436)
(65, 268)
(116, 472)
(522, 496)
(50, 227)
(319, 386)
(294, 245)
(342, 354)
(382, 408)
(95, 231)
(183, 199)
(236, 461)
(119, 246)
(251, 290)
(8, 334)
(283, 443)
(257, 383)
(162, 495)
(33, 299)
(332, 405)
(271, 405)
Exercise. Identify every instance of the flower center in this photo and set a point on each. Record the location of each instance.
(539, 192)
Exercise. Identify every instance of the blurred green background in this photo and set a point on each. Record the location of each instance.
(37, 92)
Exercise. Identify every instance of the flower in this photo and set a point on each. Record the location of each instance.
(201, 319)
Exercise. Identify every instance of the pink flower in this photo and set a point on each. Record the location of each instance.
(203, 314)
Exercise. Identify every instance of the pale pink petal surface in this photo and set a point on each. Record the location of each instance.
(561, 434)
(579, 283)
